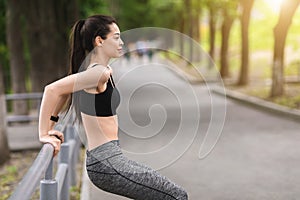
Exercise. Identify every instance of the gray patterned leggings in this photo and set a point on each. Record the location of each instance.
(111, 171)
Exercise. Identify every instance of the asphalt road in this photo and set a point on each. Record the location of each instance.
(217, 149)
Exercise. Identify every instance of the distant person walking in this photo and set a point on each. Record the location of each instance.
(95, 98)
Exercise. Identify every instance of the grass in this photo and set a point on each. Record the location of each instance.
(13, 170)
(7, 179)
(290, 99)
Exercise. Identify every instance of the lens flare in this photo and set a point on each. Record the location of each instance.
(274, 5)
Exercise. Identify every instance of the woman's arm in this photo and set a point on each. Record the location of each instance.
(54, 95)
(58, 108)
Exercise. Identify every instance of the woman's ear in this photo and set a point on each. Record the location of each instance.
(98, 41)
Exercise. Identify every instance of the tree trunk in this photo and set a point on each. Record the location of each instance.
(197, 36)
(65, 18)
(212, 32)
(181, 30)
(48, 24)
(287, 12)
(189, 29)
(226, 27)
(17, 60)
(4, 149)
(245, 18)
(41, 38)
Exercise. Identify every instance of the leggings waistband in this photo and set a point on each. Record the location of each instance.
(105, 150)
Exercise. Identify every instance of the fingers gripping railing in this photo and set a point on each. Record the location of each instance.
(51, 188)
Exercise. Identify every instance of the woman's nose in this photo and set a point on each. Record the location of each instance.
(121, 42)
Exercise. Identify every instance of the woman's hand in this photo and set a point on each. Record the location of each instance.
(55, 138)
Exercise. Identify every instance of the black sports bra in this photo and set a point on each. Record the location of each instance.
(102, 104)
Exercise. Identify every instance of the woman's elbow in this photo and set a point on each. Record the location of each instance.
(52, 90)
(55, 90)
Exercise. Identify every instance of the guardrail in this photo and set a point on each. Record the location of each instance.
(52, 188)
(24, 96)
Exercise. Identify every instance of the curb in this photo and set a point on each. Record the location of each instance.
(259, 103)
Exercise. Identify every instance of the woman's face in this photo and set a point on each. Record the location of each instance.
(112, 45)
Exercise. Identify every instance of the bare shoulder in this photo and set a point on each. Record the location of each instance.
(98, 69)
(94, 76)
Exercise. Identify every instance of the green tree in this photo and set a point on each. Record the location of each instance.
(48, 25)
(16, 54)
(3, 48)
(4, 156)
(92, 7)
(287, 11)
(3, 89)
(246, 7)
(214, 8)
(229, 14)
(134, 14)
(191, 14)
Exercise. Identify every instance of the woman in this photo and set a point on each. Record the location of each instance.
(94, 42)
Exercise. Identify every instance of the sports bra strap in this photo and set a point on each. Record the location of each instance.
(112, 80)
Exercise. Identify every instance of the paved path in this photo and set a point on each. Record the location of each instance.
(257, 156)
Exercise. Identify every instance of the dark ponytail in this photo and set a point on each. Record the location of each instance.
(77, 52)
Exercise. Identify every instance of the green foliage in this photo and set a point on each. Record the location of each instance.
(7, 177)
(168, 13)
(169, 10)
(232, 7)
(134, 14)
(4, 61)
(293, 68)
(260, 92)
(2, 28)
(291, 102)
(92, 7)
(75, 193)
(146, 13)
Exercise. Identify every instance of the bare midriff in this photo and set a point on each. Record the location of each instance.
(100, 130)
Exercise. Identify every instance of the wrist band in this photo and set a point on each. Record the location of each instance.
(55, 119)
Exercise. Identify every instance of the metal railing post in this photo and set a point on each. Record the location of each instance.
(48, 186)
(49, 171)
(70, 131)
(64, 158)
(48, 190)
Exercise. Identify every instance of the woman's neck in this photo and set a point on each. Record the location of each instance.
(100, 59)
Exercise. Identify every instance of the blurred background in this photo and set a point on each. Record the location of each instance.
(253, 43)
(247, 39)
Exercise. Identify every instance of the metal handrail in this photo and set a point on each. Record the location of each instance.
(58, 187)
(31, 180)
(22, 96)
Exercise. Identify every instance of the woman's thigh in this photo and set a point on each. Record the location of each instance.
(125, 177)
